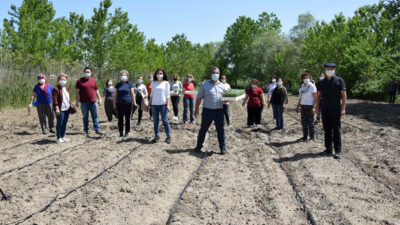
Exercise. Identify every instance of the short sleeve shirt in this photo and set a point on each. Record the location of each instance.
(43, 97)
(306, 94)
(87, 89)
(124, 92)
(254, 97)
(212, 94)
(331, 92)
(188, 87)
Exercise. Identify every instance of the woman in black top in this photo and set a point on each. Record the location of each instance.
(279, 99)
(108, 95)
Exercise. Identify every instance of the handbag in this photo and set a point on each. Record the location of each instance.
(72, 109)
(145, 104)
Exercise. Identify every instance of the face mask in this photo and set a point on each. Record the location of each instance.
(306, 81)
(151, 79)
(87, 75)
(215, 76)
(175, 79)
(189, 79)
(140, 81)
(124, 78)
(41, 81)
(279, 83)
(223, 81)
(330, 73)
(62, 82)
(321, 78)
(273, 81)
(254, 86)
(160, 76)
(109, 83)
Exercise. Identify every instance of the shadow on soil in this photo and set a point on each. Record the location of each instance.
(380, 113)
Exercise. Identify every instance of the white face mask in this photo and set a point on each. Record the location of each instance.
(124, 78)
(330, 73)
(151, 79)
(41, 81)
(254, 86)
(87, 75)
(321, 78)
(215, 76)
(140, 81)
(160, 76)
(306, 81)
(223, 81)
(273, 81)
(189, 79)
(62, 82)
(109, 83)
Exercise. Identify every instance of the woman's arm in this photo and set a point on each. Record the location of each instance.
(32, 97)
(115, 100)
(133, 96)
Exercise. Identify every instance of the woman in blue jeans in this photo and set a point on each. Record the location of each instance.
(188, 100)
(160, 102)
(279, 99)
(61, 105)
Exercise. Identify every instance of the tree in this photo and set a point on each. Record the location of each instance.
(299, 32)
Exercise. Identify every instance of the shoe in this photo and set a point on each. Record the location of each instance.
(337, 155)
(186, 123)
(52, 130)
(257, 125)
(168, 140)
(138, 124)
(99, 132)
(156, 139)
(66, 139)
(303, 139)
(175, 118)
(87, 133)
(126, 135)
(223, 151)
(197, 150)
(194, 122)
(327, 152)
(247, 126)
(44, 131)
(311, 139)
(60, 140)
(121, 135)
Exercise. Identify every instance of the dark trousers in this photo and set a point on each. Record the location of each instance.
(188, 103)
(226, 113)
(150, 110)
(175, 103)
(207, 117)
(124, 110)
(139, 99)
(45, 111)
(307, 120)
(109, 108)
(392, 97)
(331, 124)
(61, 127)
(254, 115)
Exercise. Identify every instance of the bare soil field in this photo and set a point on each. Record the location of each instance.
(267, 177)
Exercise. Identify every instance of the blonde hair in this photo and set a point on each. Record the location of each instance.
(189, 76)
(62, 75)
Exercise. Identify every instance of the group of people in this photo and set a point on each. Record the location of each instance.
(328, 97)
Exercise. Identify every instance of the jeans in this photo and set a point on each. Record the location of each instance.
(160, 109)
(175, 104)
(254, 115)
(188, 103)
(278, 112)
(124, 110)
(207, 117)
(331, 124)
(62, 120)
(307, 121)
(92, 107)
(226, 113)
(392, 97)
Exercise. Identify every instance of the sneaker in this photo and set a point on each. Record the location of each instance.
(66, 139)
(303, 139)
(257, 125)
(156, 139)
(99, 132)
(168, 140)
(327, 152)
(121, 135)
(223, 151)
(311, 139)
(138, 124)
(194, 122)
(337, 155)
(247, 126)
(60, 140)
(52, 130)
(175, 118)
(44, 131)
(186, 123)
(126, 135)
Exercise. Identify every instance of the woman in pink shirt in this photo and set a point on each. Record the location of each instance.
(188, 100)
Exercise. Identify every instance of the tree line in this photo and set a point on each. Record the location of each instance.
(365, 46)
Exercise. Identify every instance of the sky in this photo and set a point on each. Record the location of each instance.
(201, 21)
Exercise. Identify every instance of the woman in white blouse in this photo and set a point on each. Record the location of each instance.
(160, 102)
(140, 93)
(307, 96)
(176, 87)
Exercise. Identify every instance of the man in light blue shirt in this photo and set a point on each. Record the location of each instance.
(211, 91)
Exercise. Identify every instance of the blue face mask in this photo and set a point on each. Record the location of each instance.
(215, 76)
(279, 83)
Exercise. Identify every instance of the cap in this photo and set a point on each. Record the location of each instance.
(330, 65)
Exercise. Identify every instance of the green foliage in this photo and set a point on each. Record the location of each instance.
(233, 93)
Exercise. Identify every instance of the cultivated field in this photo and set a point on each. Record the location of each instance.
(113, 181)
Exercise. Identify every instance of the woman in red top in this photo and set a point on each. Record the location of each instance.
(188, 100)
(255, 95)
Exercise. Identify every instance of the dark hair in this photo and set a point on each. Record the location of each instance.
(254, 80)
(273, 76)
(108, 79)
(223, 75)
(213, 69)
(164, 77)
(304, 75)
(87, 68)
